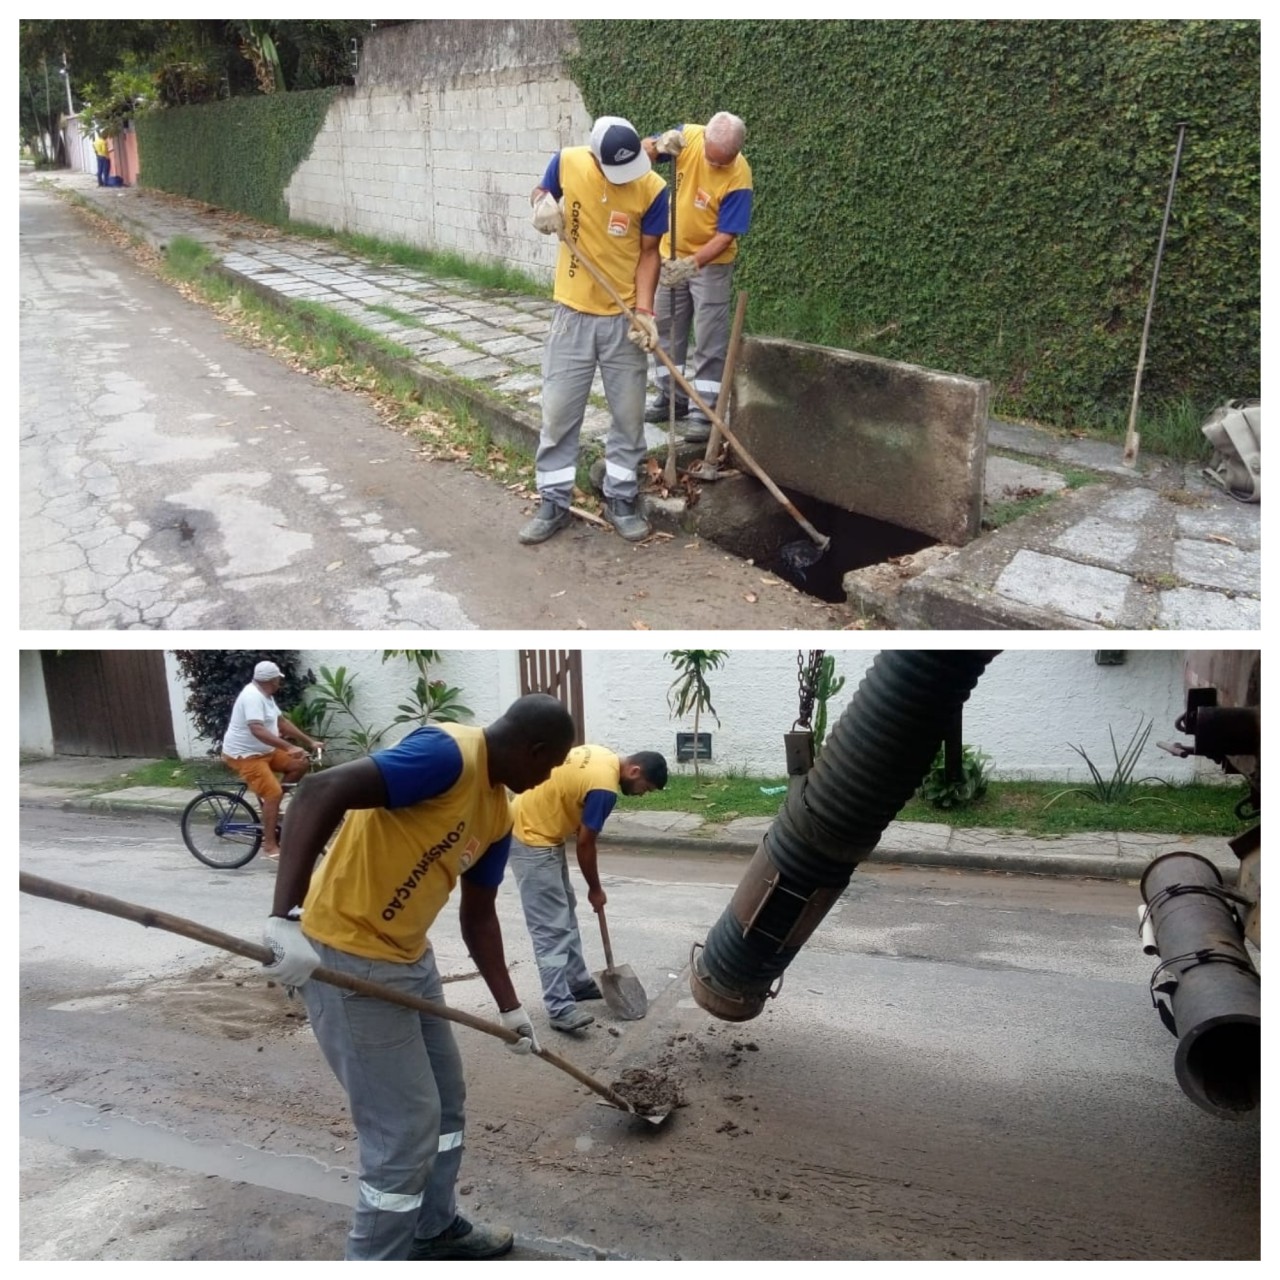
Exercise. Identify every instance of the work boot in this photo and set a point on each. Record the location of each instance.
(588, 991)
(572, 1020)
(697, 429)
(550, 519)
(622, 514)
(462, 1241)
(659, 409)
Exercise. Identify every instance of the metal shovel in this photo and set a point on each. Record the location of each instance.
(618, 984)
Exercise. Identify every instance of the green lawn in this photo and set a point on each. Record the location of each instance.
(1181, 810)
(1025, 806)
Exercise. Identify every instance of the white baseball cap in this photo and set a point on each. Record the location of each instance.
(267, 671)
(616, 145)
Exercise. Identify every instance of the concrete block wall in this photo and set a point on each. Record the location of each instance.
(447, 130)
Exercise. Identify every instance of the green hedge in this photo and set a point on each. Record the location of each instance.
(983, 197)
(238, 154)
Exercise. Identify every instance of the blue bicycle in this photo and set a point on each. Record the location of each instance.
(221, 826)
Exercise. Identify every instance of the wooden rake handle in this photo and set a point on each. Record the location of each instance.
(821, 540)
(149, 918)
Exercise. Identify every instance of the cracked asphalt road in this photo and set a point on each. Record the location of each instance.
(174, 478)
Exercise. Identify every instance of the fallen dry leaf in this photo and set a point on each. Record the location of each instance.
(332, 565)
(751, 597)
(1218, 537)
(637, 625)
(770, 582)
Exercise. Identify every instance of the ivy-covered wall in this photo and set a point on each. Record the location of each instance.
(983, 197)
(238, 154)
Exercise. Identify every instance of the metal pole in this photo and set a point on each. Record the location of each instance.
(1131, 437)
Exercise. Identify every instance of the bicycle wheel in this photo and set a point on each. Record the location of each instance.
(222, 830)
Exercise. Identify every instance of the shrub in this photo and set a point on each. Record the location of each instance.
(944, 793)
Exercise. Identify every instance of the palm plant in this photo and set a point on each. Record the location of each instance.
(690, 691)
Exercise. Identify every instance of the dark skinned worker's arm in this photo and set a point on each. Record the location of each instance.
(319, 805)
(482, 934)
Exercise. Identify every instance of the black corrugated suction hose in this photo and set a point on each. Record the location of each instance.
(872, 761)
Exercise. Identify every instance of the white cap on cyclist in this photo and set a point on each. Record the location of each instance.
(267, 671)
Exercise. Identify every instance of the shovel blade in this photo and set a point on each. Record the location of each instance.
(623, 992)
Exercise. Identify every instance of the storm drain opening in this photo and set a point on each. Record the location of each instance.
(778, 545)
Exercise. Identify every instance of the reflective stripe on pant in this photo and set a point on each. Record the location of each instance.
(549, 912)
(577, 345)
(704, 304)
(403, 1077)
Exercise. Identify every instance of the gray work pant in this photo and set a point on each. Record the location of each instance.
(403, 1076)
(702, 303)
(577, 344)
(549, 912)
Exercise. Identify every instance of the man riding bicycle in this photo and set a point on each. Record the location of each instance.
(253, 748)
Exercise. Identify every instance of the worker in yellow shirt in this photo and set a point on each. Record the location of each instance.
(574, 801)
(712, 182)
(606, 199)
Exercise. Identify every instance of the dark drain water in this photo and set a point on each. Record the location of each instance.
(856, 542)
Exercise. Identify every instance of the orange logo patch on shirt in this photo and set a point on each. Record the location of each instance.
(619, 224)
(469, 854)
(701, 199)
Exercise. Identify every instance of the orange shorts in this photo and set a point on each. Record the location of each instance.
(260, 771)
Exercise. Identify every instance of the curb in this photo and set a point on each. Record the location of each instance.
(1064, 866)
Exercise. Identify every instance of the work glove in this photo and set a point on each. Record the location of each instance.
(677, 271)
(671, 143)
(518, 1021)
(643, 331)
(295, 958)
(547, 217)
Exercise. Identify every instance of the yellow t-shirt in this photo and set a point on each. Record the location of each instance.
(606, 221)
(548, 814)
(100, 146)
(701, 191)
(390, 870)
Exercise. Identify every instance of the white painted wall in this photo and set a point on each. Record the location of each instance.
(1025, 711)
(447, 130)
(35, 729)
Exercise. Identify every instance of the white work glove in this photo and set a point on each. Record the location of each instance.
(295, 958)
(518, 1021)
(547, 216)
(643, 331)
(671, 143)
(677, 271)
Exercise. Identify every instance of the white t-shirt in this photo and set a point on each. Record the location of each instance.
(252, 704)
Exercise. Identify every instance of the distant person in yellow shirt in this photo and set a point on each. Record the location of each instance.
(574, 801)
(713, 198)
(103, 152)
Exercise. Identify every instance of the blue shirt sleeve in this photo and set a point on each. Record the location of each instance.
(491, 867)
(423, 764)
(551, 178)
(735, 213)
(654, 222)
(597, 807)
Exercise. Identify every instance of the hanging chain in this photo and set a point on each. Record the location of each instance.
(807, 672)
